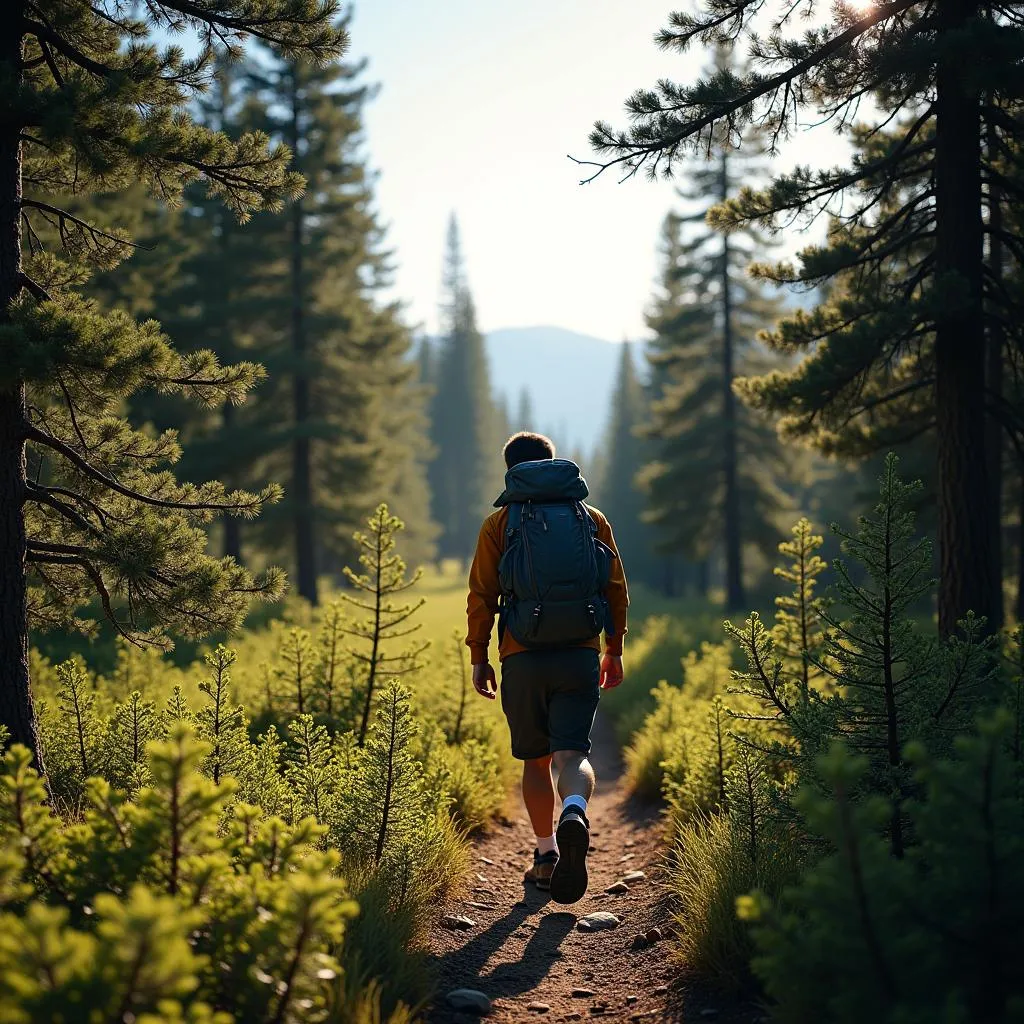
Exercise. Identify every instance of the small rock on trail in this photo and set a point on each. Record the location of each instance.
(598, 921)
(469, 1000)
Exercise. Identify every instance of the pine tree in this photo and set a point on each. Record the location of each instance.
(384, 578)
(625, 453)
(312, 772)
(799, 625)
(342, 421)
(297, 675)
(525, 417)
(715, 480)
(132, 725)
(87, 506)
(916, 197)
(224, 727)
(72, 734)
(463, 428)
(889, 682)
(388, 809)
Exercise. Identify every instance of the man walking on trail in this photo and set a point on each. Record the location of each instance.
(546, 565)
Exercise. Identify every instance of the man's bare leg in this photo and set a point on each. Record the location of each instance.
(575, 774)
(576, 783)
(539, 795)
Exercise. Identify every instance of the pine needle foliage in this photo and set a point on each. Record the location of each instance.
(916, 331)
(385, 621)
(716, 475)
(798, 634)
(220, 724)
(91, 510)
(388, 811)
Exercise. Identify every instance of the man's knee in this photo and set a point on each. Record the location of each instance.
(537, 765)
(563, 759)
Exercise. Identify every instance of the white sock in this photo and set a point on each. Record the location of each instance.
(546, 844)
(574, 801)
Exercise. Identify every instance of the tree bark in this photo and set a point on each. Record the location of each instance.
(995, 343)
(965, 541)
(1020, 546)
(16, 710)
(734, 596)
(232, 524)
(302, 477)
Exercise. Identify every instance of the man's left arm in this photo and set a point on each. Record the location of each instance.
(617, 594)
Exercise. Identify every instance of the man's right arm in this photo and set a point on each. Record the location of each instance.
(484, 591)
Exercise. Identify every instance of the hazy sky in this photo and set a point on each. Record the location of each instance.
(480, 102)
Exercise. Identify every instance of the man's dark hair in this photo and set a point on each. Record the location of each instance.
(527, 447)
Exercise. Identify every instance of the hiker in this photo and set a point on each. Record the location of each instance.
(546, 565)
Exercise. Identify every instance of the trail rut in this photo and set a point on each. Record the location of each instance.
(525, 953)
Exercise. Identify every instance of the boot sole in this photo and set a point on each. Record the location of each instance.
(569, 879)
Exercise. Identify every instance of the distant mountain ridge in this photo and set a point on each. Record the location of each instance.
(570, 378)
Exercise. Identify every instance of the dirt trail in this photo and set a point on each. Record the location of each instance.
(525, 953)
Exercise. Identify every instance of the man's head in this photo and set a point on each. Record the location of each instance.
(527, 447)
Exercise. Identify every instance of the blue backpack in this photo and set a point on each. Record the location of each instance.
(554, 571)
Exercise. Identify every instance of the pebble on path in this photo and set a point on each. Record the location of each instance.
(597, 921)
(538, 1007)
(630, 1000)
(634, 876)
(470, 1000)
(457, 923)
(487, 860)
(582, 993)
(661, 990)
(618, 889)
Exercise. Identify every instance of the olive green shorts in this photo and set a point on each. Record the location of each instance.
(549, 698)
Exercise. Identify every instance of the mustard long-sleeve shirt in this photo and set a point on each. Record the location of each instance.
(484, 591)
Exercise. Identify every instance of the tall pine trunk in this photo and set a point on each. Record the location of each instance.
(734, 597)
(16, 711)
(232, 524)
(994, 381)
(965, 526)
(1020, 544)
(302, 482)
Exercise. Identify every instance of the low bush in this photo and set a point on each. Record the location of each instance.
(257, 752)
(849, 812)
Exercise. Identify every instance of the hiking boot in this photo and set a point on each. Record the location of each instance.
(543, 865)
(569, 879)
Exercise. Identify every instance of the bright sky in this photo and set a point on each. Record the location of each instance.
(480, 103)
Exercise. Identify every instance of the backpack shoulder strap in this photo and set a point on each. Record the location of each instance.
(515, 518)
(584, 512)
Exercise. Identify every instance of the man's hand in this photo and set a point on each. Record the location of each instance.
(611, 671)
(484, 682)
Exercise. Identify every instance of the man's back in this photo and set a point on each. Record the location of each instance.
(546, 566)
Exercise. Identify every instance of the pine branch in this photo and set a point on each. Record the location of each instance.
(746, 99)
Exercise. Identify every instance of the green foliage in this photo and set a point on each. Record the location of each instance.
(715, 475)
(464, 429)
(384, 621)
(839, 796)
(624, 455)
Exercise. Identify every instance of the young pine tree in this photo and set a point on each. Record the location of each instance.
(388, 809)
(385, 621)
(88, 506)
(799, 627)
(223, 726)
